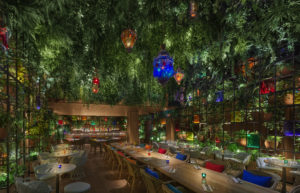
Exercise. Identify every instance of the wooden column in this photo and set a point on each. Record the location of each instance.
(133, 127)
(170, 130)
(148, 130)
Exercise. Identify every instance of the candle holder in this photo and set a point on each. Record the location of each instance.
(59, 166)
(203, 175)
(168, 161)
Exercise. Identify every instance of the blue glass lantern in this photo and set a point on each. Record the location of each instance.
(219, 96)
(163, 66)
(289, 128)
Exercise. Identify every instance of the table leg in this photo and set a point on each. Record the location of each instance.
(283, 180)
(57, 183)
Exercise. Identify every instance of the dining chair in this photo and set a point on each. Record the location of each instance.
(169, 188)
(153, 185)
(296, 189)
(120, 162)
(133, 173)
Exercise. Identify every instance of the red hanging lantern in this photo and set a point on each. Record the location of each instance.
(128, 37)
(60, 122)
(96, 81)
(4, 36)
(267, 86)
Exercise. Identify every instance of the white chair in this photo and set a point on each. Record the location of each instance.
(32, 186)
(42, 173)
(77, 187)
(44, 158)
(296, 189)
(79, 160)
(243, 158)
(262, 165)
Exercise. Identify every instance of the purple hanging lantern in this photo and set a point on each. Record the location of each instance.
(289, 128)
(219, 96)
(38, 102)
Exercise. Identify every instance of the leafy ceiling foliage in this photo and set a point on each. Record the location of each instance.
(65, 41)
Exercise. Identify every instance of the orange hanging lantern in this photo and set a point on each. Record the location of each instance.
(251, 63)
(193, 9)
(95, 88)
(178, 76)
(196, 119)
(163, 121)
(83, 118)
(128, 37)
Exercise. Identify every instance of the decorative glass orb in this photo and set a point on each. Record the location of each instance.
(128, 37)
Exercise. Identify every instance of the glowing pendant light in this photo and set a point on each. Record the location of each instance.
(96, 80)
(193, 9)
(128, 37)
(196, 119)
(178, 76)
(163, 66)
(95, 88)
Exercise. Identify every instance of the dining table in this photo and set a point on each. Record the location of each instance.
(62, 154)
(187, 174)
(58, 170)
(284, 164)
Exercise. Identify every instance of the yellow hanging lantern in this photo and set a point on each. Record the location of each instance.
(163, 121)
(178, 76)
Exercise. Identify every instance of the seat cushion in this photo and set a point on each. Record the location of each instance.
(181, 156)
(152, 173)
(256, 179)
(77, 187)
(173, 188)
(131, 160)
(162, 151)
(215, 167)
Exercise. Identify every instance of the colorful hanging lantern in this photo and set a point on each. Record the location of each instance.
(193, 9)
(219, 96)
(96, 80)
(196, 119)
(128, 37)
(289, 128)
(251, 63)
(60, 122)
(267, 86)
(163, 121)
(95, 88)
(178, 76)
(93, 123)
(83, 118)
(105, 119)
(217, 140)
(38, 102)
(163, 66)
(4, 36)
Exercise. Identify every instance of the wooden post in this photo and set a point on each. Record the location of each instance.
(133, 127)
(170, 130)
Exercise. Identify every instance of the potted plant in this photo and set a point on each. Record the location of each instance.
(270, 142)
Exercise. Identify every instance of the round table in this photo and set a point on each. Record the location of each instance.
(60, 155)
(65, 168)
(280, 163)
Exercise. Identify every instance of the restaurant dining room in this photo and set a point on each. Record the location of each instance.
(149, 96)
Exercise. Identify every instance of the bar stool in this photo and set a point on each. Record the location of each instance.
(77, 187)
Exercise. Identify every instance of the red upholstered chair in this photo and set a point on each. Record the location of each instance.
(162, 151)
